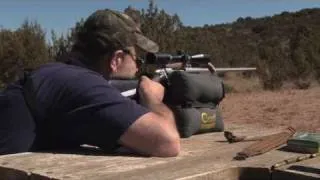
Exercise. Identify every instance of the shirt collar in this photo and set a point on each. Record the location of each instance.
(76, 59)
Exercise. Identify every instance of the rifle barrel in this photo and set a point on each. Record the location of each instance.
(236, 69)
(194, 69)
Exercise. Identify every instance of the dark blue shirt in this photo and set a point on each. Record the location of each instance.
(17, 126)
(73, 105)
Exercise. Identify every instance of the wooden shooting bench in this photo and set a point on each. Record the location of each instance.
(204, 156)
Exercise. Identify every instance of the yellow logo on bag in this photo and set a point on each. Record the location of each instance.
(207, 121)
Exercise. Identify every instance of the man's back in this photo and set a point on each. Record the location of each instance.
(72, 105)
(17, 127)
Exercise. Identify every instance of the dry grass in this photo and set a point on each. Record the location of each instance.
(237, 83)
(289, 106)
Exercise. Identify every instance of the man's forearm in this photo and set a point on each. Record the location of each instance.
(163, 110)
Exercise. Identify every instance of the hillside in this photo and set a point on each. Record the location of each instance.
(284, 47)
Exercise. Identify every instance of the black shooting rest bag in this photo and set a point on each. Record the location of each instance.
(194, 99)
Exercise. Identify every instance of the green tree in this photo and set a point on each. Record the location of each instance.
(63, 44)
(10, 56)
(22, 49)
(160, 27)
(35, 50)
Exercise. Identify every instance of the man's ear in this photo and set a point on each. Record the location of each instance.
(116, 60)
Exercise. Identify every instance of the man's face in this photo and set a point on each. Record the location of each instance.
(126, 66)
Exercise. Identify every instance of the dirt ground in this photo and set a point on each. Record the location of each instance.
(297, 108)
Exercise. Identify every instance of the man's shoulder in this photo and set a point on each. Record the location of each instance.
(55, 67)
(59, 77)
(62, 71)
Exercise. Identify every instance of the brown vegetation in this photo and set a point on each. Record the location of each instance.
(298, 108)
(284, 47)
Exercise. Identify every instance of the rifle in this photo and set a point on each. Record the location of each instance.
(158, 66)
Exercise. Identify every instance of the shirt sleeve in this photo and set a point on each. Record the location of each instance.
(98, 113)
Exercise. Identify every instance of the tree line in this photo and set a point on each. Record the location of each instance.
(284, 47)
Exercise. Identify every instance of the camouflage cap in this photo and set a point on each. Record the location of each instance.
(108, 27)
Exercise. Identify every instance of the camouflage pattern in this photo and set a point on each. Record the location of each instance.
(112, 28)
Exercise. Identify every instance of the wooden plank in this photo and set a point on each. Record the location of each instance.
(201, 154)
(306, 169)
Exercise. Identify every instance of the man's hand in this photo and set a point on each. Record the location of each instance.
(150, 92)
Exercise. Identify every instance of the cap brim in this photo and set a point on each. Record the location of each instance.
(146, 44)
